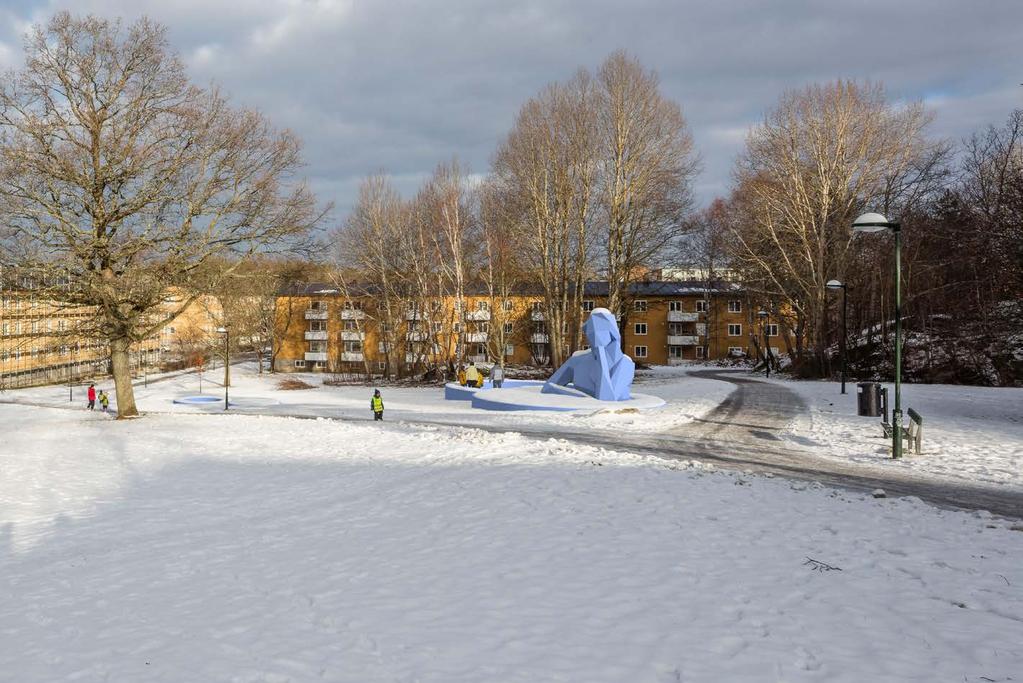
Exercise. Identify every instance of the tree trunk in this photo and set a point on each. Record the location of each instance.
(121, 365)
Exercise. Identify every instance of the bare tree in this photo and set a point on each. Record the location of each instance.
(647, 166)
(546, 171)
(366, 245)
(121, 179)
(821, 156)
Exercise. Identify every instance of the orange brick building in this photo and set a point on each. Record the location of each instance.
(668, 322)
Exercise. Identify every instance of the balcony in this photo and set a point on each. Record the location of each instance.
(683, 340)
(352, 314)
(417, 336)
(478, 315)
(416, 314)
(316, 335)
(701, 329)
(682, 317)
(476, 337)
(536, 315)
(316, 314)
(539, 338)
(315, 356)
(350, 357)
(352, 335)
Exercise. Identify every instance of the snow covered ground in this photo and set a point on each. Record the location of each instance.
(687, 398)
(969, 433)
(191, 547)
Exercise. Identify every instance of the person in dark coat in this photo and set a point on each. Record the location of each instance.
(92, 396)
(376, 404)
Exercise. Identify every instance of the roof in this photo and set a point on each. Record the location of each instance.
(593, 288)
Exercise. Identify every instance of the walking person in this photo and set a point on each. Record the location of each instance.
(472, 375)
(497, 376)
(104, 400)
(92, 396)
(376, 404)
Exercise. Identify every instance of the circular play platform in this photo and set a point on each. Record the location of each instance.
(198, 400)
(531, 398)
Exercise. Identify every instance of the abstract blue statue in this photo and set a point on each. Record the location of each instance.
(601, 371)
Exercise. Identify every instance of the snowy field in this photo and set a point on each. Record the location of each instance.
(266, 549)
(969, 433)
(687, 398)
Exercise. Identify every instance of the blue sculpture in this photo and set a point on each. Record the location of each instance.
(601, 371)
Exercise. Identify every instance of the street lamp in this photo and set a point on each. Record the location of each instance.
(875, 222)
(764, 317)
(835, 284)
(227, 359)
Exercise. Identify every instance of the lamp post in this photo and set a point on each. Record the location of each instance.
(875, 222)
(835, 284)
(764, 317)
(227, 359)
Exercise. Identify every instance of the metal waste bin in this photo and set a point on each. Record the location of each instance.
(868, 399)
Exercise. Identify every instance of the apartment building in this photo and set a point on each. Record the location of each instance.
(41, 341)
(668, 322)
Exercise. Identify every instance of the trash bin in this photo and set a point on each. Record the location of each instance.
(868, 399)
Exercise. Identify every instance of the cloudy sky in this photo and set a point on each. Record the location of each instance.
(399, 86)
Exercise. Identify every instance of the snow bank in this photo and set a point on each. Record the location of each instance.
(969, 433)
(197, 547)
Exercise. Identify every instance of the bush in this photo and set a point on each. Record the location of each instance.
(292, 384)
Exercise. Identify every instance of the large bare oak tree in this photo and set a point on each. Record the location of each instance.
(120, 179)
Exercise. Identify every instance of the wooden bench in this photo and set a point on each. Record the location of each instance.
(913, 433)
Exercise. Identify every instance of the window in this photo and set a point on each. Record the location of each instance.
(674, 305)
(350, 325)
(640, 351)
(351, 305)
(381, 366)
(772, 330)
(509, 350)
(435, 305)
(587, 306)
(538, 307)
(457, 327)
(639, 306)
(318, 325)
(674, 352)
(171, 330)
(321, 364)
(317, 347)
(509, 328)
(352, 346)
(508, 305)
(482, 306)
(734, 330)
(735, 306)
(735, 351)
(437, 327)
(6, 329)
(701, 306)
(318, 306)
(640, 328)
(701, 352)
(300, 364)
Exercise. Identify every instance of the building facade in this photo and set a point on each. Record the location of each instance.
(668, 322)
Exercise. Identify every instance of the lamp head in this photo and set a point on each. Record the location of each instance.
(872, 222)
(834, 284)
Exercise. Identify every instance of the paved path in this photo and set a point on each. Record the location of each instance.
(747, 431)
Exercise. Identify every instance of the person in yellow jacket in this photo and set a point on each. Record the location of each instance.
(376, 404)
(472, 375)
